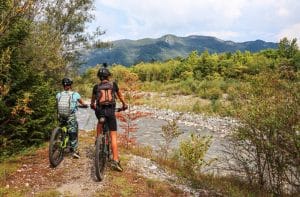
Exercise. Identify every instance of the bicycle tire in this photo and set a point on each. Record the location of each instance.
(100, 157)
(56, 152)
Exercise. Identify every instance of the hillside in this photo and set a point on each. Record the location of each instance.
(128, 52)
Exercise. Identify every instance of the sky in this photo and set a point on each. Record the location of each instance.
(235, 20)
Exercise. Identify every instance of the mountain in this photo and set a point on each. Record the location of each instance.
(129, 52)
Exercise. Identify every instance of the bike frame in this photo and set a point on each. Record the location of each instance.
(103, 149)
(107, 140)
(66, 137)
(63, 135)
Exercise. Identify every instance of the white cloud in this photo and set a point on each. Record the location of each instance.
(283, 12)
(157, 11)
(235, 19)
(290, 32)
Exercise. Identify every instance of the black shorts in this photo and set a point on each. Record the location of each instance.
(109, 113)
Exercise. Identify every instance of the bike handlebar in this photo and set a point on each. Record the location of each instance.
(83, 106)
(119, 109)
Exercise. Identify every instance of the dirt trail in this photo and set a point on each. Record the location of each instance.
(76, 177)
(73, 177)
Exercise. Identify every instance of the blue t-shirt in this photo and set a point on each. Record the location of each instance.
(74, 99)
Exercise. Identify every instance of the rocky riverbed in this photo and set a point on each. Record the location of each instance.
(149, 127)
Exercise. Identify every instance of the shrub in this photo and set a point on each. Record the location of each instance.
(213, 93)
(192, 152)
(170, 131)
(197, 107)
(266, 144)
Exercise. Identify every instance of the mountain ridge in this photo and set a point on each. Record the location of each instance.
(129, 52)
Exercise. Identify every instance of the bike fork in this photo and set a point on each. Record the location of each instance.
(107, 149)
(65, 138)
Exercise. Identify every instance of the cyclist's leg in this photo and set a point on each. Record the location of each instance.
(99, 114)
(73, 131)
(115, 163)
(114, 145)
(112, 124)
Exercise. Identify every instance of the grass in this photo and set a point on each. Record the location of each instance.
(186, 103)
(11, 164)
(225, 185)
(230, 186)
(49, 193)
(211, 97)
(158, 188)
(8, 167)
(143, 151)
(8, 192)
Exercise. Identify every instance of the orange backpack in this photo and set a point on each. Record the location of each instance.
(106, 93)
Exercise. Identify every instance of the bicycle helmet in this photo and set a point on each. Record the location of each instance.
(66, 82)
(103, 71)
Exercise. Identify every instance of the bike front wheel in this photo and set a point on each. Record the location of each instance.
(100, 157)
(56, 151)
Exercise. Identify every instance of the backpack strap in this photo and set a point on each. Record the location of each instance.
(99, 90)
(71, 101)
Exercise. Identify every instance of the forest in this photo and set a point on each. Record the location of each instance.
(41, 42)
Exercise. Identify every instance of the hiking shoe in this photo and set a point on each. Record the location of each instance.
(76, 155)
(116, 165)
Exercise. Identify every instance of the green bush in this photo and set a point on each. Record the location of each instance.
(266, 144)
(170, 132)
(213, 93)
(197, 107)
(192, 152)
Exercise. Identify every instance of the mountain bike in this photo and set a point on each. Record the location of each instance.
(60, 142)
(103, 153)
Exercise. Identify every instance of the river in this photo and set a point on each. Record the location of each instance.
(149, 129)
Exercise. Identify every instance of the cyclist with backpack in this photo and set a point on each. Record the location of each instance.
(104, 104)
(67, 105)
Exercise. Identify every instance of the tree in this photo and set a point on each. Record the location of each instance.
(26, 107)
(67, 19)
(287, 48)
(35, 50)
(266, 144)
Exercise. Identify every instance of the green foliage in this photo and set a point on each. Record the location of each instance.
(192, 152)
(266, 144)
(287, 48)
(170, 131)
(67, 19)
(35, 52)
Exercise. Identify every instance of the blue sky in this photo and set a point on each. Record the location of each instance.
(236, 20)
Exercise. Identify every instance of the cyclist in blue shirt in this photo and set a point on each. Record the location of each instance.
(72, 120)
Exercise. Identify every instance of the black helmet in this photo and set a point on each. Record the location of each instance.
(103, 71)
(66, 82)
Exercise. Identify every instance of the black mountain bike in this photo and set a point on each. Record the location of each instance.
(60, 142)
(103, 152)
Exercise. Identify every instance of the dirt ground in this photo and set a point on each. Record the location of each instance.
(76, 177)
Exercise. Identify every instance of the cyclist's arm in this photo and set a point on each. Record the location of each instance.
(81, 101)
(93, 99)
(120, 96)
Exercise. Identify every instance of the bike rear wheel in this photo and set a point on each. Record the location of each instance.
(56, 152)
(100, 157)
